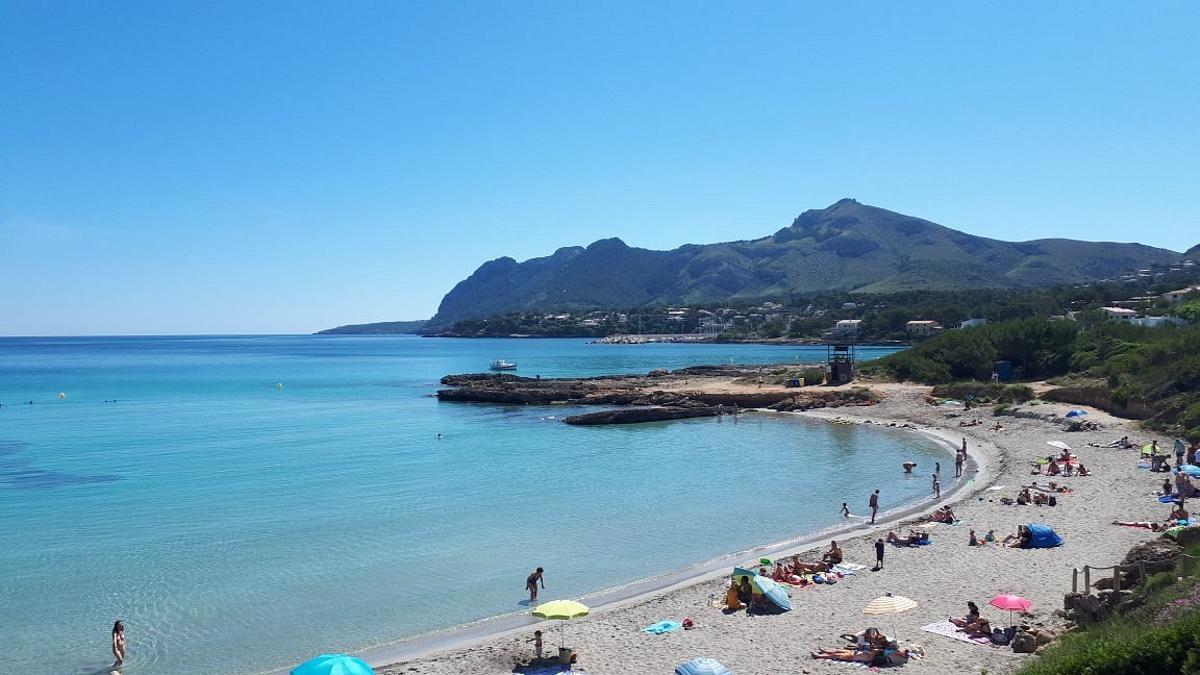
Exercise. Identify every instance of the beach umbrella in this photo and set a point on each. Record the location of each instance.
(702, 666)
(773, 591)
(1059, 444)
(333, 664)
(1012, 603)
(562, 610)
(889, 604)
(1075, 413)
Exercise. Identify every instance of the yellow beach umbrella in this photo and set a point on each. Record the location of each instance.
(562, 610)
(889, 604)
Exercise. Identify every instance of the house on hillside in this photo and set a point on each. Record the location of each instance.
(1177, 295)
(1119, 314)
(847, 327)
(1158, 321)
(922, 328)
(973, 323)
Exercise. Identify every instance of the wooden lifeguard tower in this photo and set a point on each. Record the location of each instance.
(839, 367)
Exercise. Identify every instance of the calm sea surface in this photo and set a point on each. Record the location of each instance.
(238, 526)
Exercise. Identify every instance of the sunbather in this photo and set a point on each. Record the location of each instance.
(944, 515)
(1018, 540)
(1157, 527)
(864, 656)
(1052, 467)
(914, 538)
(971, 617)
(834, 555)
(732, 601)
(1023, 498)
(979, 628)
(1083, 470)
(1178, 513)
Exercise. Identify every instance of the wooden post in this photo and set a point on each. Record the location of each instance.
(1141, 573)
(1074, 581)
(1116, 579)
(1087, 580)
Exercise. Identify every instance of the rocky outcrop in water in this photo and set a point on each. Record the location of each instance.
(659, 395)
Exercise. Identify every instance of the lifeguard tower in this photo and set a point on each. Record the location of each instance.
(839, 368)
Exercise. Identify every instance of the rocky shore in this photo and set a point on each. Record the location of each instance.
(658, 395)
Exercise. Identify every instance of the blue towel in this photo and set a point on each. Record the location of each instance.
(1166, 499)
(665, 626)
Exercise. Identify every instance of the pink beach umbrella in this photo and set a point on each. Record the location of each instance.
(1012, 603)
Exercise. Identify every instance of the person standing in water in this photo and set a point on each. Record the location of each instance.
(118, 644)
(937, 487)
(874, 504)
(531, 583)
(845, 510)
(959, 458)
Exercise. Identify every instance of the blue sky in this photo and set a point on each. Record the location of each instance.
(228, 167)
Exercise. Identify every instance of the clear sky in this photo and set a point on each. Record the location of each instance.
(231, 167)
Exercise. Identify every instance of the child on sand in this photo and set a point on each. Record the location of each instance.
(537, 643)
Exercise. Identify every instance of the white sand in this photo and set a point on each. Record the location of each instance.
(941, 577)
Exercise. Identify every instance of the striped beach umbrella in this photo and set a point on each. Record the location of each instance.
(702, 666)
(889, 604)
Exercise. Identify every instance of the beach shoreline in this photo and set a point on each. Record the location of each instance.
(609, 641)
(466, 635)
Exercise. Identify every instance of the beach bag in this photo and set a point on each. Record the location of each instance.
(1024, 643)
(999, 637)
(1053, 501)
(897, 658)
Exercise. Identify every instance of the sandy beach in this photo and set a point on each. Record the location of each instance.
(941, 577)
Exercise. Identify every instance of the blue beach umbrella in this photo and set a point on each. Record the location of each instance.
(1075, 413)
(773, 591)
(702, 666)
(333, 664)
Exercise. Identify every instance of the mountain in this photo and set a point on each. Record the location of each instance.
(1193, 253)
(847, 246)
(380, 328)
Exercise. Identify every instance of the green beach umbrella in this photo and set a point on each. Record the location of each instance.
(561, 610)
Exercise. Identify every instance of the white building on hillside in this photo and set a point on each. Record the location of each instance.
(847, 327)
(920, 328)
(1119, 314)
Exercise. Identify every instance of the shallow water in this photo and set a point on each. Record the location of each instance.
(238, 526)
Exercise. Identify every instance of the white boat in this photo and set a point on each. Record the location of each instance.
(501, 364)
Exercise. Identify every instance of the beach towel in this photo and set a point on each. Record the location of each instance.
(664, 626)
(848, 568)
(947, 629)
(552, 670)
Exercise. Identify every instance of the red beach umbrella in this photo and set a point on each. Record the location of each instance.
(1012, 603)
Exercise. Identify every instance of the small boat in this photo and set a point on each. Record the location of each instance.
(501, 364)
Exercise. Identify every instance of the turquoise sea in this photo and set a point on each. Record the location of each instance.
(243, 503)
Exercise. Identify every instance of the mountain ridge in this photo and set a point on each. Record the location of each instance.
(847, 246)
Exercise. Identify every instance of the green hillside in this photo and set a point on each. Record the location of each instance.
(848, 246)
(379, 328)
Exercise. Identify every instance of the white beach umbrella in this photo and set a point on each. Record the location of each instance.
(1059, 444)
(889, 604)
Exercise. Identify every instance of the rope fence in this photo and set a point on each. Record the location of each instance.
(1187, 567)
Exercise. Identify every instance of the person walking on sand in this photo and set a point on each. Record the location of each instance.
(531, 583)
(878, 554)
(937, 487)
(118, 644)
(845, 510)
(959, 458)
(874, 504)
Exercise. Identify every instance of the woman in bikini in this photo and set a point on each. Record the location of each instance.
(118, 644)
(531, 584)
